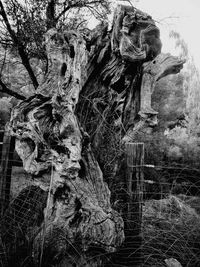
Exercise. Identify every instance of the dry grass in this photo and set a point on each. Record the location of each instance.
(171, 229)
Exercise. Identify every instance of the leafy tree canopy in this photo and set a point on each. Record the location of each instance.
(30, 19)
(24, 22)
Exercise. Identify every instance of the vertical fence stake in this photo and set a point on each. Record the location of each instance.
(8, 147)
(133, 212)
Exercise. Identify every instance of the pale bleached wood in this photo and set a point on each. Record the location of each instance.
(95, 80)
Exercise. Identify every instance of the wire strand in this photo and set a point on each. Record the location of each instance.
(46, 215)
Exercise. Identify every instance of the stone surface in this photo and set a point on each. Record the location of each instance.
(172, 263)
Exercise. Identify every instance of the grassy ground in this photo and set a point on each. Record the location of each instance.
(171, 230)
(170, 226)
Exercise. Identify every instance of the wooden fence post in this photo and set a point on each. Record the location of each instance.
(1, 142)
(133, 212)
(8, 147)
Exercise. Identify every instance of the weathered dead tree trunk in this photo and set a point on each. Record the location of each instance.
(95, 97)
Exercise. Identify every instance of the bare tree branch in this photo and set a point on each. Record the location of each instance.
(63, 12)
(5, 89)
(50, 14)
(21, 50)
(76, 4)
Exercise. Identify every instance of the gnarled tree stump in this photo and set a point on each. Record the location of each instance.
(95, 96)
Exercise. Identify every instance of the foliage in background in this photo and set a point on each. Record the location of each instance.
(177, 99)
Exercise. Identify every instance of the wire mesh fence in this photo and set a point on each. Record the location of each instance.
(160, 207)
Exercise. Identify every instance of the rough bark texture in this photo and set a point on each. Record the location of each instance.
(50, 145)
(96, 94)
